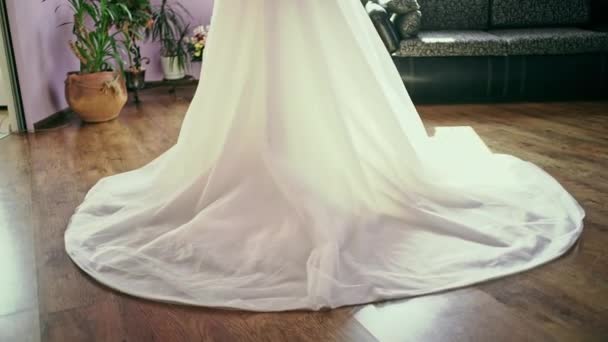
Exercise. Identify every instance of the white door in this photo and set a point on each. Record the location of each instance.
(4, 97)
(6, 90)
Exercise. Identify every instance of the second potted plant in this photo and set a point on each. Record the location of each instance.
(170, 29)
(134, 28)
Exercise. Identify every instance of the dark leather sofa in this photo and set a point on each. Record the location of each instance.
(503, 50)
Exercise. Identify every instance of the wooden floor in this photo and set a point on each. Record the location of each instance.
(43, 296)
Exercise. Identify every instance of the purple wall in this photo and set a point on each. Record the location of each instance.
(43, 56)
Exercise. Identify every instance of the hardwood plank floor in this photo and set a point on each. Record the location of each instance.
(43, 296)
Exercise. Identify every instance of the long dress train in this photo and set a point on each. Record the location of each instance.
(303, 178)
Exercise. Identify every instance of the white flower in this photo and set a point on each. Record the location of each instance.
(202, 30)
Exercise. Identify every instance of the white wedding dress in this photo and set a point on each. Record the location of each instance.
(303, 178)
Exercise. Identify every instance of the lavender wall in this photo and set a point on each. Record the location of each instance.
(43, 56)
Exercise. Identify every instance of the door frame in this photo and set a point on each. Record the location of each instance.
(9, 72)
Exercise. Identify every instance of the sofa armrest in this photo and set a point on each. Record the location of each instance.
(381, 20)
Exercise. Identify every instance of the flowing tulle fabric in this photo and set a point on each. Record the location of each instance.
(303, 178)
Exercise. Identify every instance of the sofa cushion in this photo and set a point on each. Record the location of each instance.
(527, 13)
(452, 43)
(454, 14)
(552, 41)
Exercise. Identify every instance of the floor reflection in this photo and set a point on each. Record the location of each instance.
(461, 315)
(18, 285)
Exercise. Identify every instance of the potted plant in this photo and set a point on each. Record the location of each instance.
(170, 29)
(96, 92)
(134, 27)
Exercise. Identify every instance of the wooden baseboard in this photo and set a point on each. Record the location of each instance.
(189, 80)
(55, 120)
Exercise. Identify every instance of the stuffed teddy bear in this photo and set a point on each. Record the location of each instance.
(408, 25)
(399, 6)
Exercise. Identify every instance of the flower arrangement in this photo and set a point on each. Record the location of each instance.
(197, 42)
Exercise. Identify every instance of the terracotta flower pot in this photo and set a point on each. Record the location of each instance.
(96, 97)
